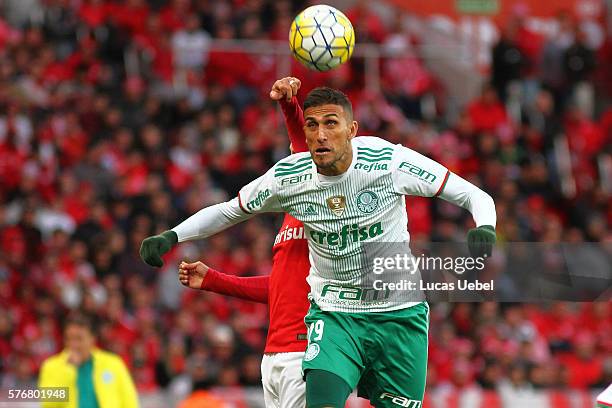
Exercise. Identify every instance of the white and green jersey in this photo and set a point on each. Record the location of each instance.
(365, 204)
(342, 213)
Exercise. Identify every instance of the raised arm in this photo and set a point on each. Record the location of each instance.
(285, 92)
(198, 275)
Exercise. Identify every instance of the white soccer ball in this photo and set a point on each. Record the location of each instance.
(321, 38)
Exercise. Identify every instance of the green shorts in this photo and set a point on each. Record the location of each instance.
(383, 354)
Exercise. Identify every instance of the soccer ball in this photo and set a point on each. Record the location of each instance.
(321, 38)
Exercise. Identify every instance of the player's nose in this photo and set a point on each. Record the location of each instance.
(321, 135)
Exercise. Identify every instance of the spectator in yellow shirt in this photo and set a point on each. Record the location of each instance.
(94, 378)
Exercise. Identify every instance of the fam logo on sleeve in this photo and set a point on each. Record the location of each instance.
(418, 172)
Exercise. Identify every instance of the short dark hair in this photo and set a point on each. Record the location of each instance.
(328, 96)
(81, 320)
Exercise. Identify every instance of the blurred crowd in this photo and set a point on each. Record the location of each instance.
(118, 119)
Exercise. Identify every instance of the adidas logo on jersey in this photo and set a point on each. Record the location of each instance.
(310, 210)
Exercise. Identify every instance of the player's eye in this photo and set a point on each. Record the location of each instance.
(311, 124)
(331, 122)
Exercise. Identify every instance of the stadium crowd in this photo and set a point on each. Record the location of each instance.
(117, 121)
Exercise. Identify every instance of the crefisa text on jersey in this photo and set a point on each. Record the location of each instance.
(369, 167)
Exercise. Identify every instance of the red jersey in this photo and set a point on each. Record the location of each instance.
(285, 289)
(288, 289)
(288, 296)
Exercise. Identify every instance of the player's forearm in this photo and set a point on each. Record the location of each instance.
(248, 288)
(294, 120)
(467, 195)
(211, 220)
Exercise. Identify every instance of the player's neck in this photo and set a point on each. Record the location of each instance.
(340, 166)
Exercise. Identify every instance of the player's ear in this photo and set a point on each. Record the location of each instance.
(353, 129)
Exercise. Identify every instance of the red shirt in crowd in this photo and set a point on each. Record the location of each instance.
(94, 13)
(485, 116)
(582, 372)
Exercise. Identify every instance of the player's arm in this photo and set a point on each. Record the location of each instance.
(415, 174)
(198, 275)
(256, 197)
(285, 92)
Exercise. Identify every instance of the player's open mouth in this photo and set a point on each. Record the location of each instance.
(322, 151)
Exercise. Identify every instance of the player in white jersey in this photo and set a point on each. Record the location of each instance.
(348, 191)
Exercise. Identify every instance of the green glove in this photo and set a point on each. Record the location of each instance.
(480, 240)
(152, 248)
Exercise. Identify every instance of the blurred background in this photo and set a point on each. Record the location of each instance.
(118, 119)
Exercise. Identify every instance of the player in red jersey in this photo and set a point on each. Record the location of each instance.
(285, 289)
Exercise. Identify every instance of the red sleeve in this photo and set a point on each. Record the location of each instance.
(294, 120)
(254, 288)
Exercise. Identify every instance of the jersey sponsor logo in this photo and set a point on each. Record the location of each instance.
(287, 234)
(299, 166)
(337, 204)
(310, 210)
(369, 167)
(312, 351)
(367, 202)
(258, 200)
(347, 292)
(401, 401)
(348, 233)
(374, 155)
(296, 179)
(418, 172)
